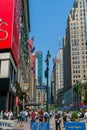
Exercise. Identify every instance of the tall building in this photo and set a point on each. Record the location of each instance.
(75, 45)
(57, 74)
(60, 71)
(40, 67)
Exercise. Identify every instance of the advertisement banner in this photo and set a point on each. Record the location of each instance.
(10, 26)
(75, 126)
(39, 126)
(6, 23)
(17, 101)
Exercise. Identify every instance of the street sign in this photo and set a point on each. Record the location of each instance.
(41, 87)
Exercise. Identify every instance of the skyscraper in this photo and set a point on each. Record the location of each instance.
(40, 62)
(75, 44)
(57, 75)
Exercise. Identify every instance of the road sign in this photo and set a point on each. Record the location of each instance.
(41, 87)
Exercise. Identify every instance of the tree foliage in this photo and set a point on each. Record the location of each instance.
(81, 89)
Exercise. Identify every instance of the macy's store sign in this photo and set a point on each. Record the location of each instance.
(3, 31)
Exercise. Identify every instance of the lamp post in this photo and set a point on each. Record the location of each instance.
(47, 76)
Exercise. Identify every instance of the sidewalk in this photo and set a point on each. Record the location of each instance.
(27, 125)
(52, 124)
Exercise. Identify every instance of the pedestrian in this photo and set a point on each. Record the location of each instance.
(50, 114)
(6, 115)
(41, 113)
(26, 115)
(82, 114)
(85, 115)
(2, 114)
(64, 118)
(18, 116)
(10, 115)
(22, 114)
(57, 120)
(46, 116)
(33, 116)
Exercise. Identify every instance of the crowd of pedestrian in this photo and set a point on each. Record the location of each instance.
(33, 115)
(7, 115)
(39, 116)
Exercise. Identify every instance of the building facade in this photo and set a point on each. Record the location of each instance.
(75, 45)
(57, 76)
(40, 66)
(11, 50)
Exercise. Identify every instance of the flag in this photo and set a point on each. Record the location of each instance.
(33, 49)
(32, 61)
(30, 43)
(34, 55)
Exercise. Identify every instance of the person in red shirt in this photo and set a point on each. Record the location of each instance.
(33, 116)
(41, 113)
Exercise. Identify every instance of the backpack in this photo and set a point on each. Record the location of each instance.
(23, 114)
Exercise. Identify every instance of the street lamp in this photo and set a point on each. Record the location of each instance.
(47, 76)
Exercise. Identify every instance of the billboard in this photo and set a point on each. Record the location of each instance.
(10, 26)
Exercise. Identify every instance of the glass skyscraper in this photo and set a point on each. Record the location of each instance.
(40, 67)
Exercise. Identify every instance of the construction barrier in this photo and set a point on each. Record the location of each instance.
(7, 124)
(75, 126)
(39, 126)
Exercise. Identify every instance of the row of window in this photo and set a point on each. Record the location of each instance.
(76, 32)
(76, 71)
(77, 76)
(78, 27)
(77, 23)
(78, 36)
(78, 62)
(77, 49)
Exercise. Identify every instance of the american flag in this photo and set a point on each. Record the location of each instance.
(30, 43)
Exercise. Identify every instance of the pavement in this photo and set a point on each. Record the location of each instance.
(52, 125)
(27, 125)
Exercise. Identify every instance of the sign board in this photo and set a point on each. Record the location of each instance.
(75, 126)
(39, 126)
(41, 87)
(10, 12)
(7, 124)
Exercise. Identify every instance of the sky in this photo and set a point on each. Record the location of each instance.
(48, 21)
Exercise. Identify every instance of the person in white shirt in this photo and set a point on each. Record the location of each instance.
(46, 116)
(26, 115)
(85, 115)
(10, 115)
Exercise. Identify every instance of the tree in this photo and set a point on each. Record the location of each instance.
(81, 89)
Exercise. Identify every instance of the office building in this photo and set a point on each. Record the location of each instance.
(75, 46)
